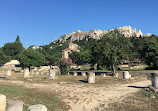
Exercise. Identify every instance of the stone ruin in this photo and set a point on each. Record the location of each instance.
(91, 77)
(126, 75)
(18, 105)
(154, 79)
(12, 65)
(26, 73)
(75, 73)
(52, 74)
(44, 70)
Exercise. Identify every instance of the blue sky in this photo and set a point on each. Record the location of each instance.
(39, 22)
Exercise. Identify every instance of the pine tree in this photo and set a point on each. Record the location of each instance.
(17, 39)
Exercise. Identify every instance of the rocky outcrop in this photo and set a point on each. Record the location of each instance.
(78, 35)
(128, 32)
(147, 35)
(97, 34)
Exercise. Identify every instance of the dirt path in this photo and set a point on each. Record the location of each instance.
(85, 97)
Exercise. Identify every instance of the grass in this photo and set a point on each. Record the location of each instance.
(32, 97)
(12, 91)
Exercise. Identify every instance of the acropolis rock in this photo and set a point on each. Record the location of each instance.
(97, 34)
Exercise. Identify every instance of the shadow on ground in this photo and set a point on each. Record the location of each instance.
(137, 87)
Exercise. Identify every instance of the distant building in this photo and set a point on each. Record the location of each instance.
(67, 51)
(35, 47)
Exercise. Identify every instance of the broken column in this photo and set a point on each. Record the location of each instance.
(154, 78)
(115, 74)
(36, 73)
(8, 73)
(2, 102)
(126, 75)
(83, 73)
(91, 77)
(51, 74)
(104, 74)
(26, 72)
(75, 73)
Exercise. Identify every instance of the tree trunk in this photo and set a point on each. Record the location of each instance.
(129, 65)
(29, 68)
(50, 67)
(113, 70)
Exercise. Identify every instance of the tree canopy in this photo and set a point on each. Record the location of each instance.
(150, 53)
(13, 49)
(3, 58)
(111, 50)
(31, 57)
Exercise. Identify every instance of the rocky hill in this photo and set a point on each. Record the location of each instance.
(97, 34)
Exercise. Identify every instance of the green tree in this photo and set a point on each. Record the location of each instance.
(52, 59)
(75, 56)
(31, 57)
(81, 57)
(17, 39)
(150, 54)
(111, 50)
(53, 52)
(86, 56)
(13, 49)
(3, 58)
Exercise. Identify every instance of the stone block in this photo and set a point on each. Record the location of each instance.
(126, 75)
(15, 106)
(8, 72)
(104, 75)
(51, 74)
(38, 107)
(26, 72)
(83, 73)
(75, 73)
(91, 77)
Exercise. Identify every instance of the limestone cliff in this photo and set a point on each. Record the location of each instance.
(97, 34)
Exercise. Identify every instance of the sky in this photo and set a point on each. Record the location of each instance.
(39, 22)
